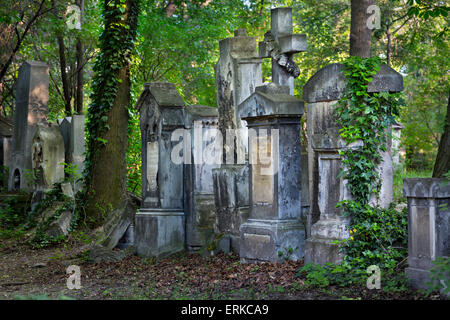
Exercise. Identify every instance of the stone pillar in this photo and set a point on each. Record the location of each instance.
(428, 226)
(238, 73)
(159, 224)
(396, 136)
(322, 92)
(77, 147)
(30, 110)
(205, 155)
(274, 226)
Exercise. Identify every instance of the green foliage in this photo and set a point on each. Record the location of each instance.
(13, 211)
(440, 275)
(36, 217)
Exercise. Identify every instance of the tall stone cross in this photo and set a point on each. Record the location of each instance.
(281, 44)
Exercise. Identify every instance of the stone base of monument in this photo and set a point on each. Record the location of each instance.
(271, 240)
(159, 232)
(321, 248)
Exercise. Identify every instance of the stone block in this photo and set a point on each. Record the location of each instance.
(159, 232)
(292, 43)
(271, 240)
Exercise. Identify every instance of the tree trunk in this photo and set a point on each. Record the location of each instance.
(80, 70)
(442, 164)
(360, 34)
(107, 167)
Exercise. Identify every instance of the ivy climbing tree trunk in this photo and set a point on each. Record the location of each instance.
(442, 164)
(360, 34)
(108, 114)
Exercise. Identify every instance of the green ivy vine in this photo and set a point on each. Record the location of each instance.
(377, 235)
(116, 46)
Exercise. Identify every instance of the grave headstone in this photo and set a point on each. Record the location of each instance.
(31, 109)
(205, 155)
(321, 92)
(428, 227)
(47, 156)
(274, 230)
(238, 73)
(160, 223)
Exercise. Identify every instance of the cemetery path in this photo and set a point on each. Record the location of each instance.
(32, 273)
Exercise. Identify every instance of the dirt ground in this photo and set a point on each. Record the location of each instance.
(27, 273)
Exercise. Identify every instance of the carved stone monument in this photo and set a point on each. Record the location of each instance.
(238, 73)
(205, 155)
(322, 93)
(428, 227)
(47, 154)
(280, 44)
(274, 227)
(31, 109)
(160, 223)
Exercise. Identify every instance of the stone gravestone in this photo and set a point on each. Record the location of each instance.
(72, 130)
(160, 223)
(31, 109)
(237, 73)
(428, 227)
(205, 155)
(47, 156)
(280, 44)
(321, 92)
(274, 230)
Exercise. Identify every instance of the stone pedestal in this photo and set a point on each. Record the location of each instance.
(159, 224)
(274, 229)
(30, 110)
(428, 226)
(205, 155)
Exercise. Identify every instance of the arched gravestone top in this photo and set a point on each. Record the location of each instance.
(329, 83)
(270, 100)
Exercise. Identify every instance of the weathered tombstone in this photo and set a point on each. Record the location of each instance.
(76, 154)
(274, 230)
(160, 223)
(321, 92)
(202, 126)
(30, 110)
(47, 156)
(428, 227)
(238, 73)
(281, 45)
